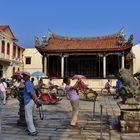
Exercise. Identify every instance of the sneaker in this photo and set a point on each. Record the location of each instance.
(26, 130)
(33, 133)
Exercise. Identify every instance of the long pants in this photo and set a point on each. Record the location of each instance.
(4, 97)
(0, 118)
(75, 111)
(29, 116)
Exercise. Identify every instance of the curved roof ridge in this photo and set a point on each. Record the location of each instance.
(54, 35)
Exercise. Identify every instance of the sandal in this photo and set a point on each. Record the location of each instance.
(73, 125)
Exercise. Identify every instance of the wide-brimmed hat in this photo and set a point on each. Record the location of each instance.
(26, 74)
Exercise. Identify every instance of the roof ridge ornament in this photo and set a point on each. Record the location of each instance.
(44, 41)
(36, 39)
(50, 33)
(121, 32)
(130, 39)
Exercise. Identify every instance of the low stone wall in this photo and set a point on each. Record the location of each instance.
(96, 84)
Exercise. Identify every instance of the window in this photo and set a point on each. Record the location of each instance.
(14, 70)
(8, 48)
(14, 51)
(3, 47)
(28, 60)
(18, 52)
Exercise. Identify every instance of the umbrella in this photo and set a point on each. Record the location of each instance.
(79, 77)
(38, 74)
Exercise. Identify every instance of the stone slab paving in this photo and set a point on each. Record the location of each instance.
(55, 125)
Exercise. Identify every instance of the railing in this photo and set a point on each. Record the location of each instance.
(17, 60)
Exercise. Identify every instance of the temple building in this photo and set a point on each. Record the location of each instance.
(95, 57)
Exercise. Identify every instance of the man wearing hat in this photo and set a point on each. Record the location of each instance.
(30, 99)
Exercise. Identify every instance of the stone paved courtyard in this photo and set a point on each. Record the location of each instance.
(55, 125)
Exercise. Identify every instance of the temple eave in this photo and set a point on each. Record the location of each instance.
(84, 50)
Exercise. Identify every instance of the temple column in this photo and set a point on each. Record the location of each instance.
(104, 66)
(123, 61)
(45, 65)
(100, 56)
(62, 66)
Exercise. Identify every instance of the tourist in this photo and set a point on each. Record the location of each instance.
(107, 87)
(74, 100)
(117, 87)
(30, 99)
(137, 78)
(3, 87)
(18, 82)
(50, 84)
(32, 80)
(39, 86)
(118, 83)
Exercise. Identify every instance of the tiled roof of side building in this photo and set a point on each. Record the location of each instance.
(3, 27)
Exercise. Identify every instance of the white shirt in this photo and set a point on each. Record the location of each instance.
(3, 86)
(17, 84)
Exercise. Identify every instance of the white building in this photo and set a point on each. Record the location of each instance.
(32, 60)
(11, 54)
(136, 60)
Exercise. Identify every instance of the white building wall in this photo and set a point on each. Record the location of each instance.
(36, 60)
(7, 61)
(136, 60)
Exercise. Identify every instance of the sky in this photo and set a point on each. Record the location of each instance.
(73, 18)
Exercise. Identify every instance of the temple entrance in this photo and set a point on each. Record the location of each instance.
(113, 64)
(91, 66)
(54, 66)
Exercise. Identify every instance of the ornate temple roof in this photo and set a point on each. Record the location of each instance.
(56, 43)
